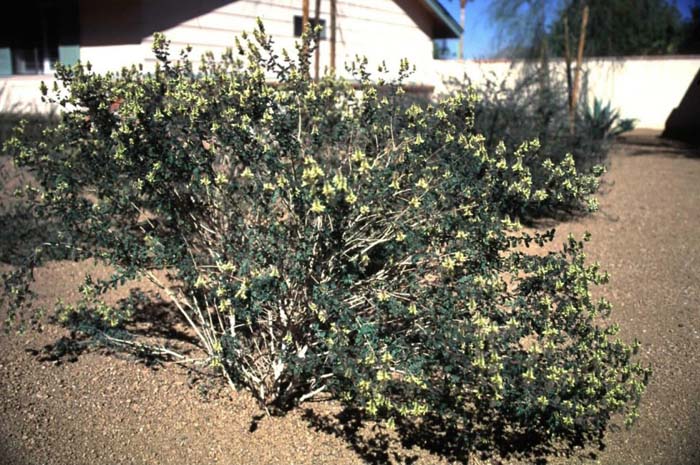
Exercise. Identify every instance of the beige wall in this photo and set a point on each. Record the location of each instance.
(377, 29)
(117, 33)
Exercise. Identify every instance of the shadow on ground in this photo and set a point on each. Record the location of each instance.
(489, 439)
(644, 142)
(155, 323)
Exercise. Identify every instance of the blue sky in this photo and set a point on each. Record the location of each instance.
(481, 38)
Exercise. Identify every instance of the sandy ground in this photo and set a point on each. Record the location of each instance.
(105, 409)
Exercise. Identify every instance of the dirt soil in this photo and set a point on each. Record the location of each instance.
(101, 408)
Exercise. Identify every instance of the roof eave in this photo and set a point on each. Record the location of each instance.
(450, 29)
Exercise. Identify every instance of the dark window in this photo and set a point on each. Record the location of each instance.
(298, 27)
(38, 32)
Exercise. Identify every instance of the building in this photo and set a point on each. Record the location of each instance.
(110, 34)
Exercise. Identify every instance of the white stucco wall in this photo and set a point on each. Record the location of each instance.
(644, 88)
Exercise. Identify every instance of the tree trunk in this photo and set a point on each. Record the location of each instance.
(569, 82)
(579, 60)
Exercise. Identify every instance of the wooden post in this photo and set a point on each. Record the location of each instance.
(304, 15)
(334, 13)
(579, 59)
(317, 52)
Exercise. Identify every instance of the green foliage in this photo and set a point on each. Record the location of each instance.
(622, 27)
(533, 28)
(691, 38)
(320, 238)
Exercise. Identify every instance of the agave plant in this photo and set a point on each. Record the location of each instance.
(603, 121)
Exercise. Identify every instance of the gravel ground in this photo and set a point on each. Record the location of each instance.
(105, 409)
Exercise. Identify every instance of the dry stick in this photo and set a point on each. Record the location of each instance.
(579, 59)
(317, 52)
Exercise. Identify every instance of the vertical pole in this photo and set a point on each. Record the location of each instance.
(317, 52)
(334, 13)
(462, 22)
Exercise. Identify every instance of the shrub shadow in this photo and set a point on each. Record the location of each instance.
(159, 319)
(154, 323)
(488, 440)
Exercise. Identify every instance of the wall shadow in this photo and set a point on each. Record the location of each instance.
(643, 143)
(123, 22)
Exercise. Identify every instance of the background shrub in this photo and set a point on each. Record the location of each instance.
(535, 105)
(323, 239)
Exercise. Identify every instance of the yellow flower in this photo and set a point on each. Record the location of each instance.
(423, 184)
(226, 267)
(412, 309)
(282, 181)
(461, 235)
(364, 167)
(400, 236)
(351, 198)
(268, 186)
(448, 264)
(328, 190)
(340, 182)
(364, 210)
(414, 202)
(220, 179)
(242, 291)
(317, 206)
(383, 376)
(247, 174)
(357, 156)
(311, 174)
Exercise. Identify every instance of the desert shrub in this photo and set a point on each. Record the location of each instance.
(535, 105)
(35, 124)
(319, 238)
